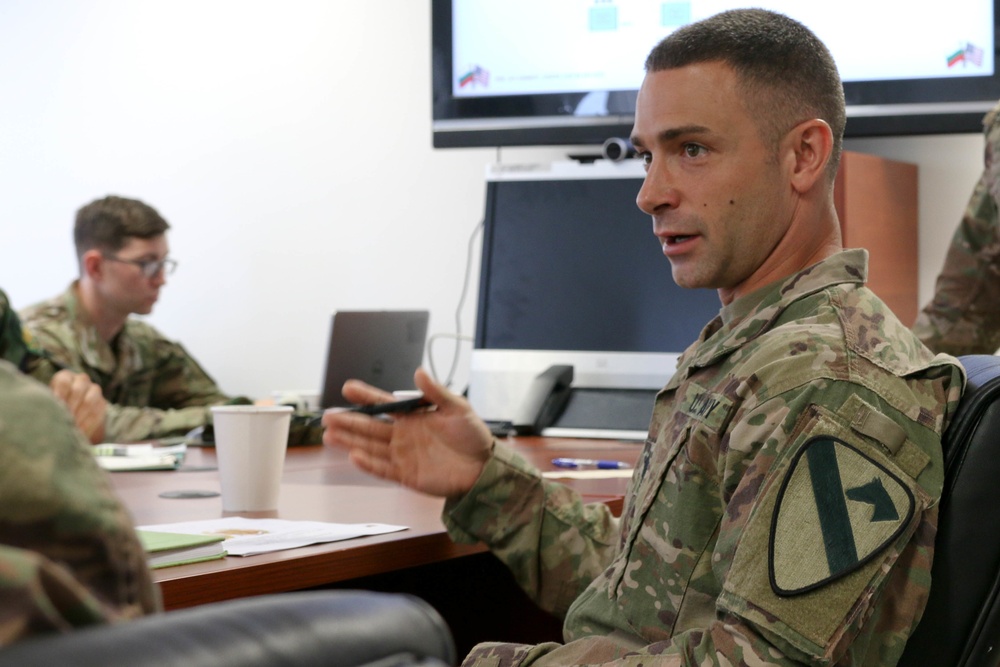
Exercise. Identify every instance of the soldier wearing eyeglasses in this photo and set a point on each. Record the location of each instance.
(154, 387)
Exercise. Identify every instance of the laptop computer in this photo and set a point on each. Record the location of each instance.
(380, 347)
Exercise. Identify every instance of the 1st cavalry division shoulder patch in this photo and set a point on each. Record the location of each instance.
(837, 509)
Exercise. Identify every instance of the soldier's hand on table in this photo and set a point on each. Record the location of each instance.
(440, 450)
(84, 400)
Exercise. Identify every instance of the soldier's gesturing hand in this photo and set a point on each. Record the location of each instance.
(440, 450)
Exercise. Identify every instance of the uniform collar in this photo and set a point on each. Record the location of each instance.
(748, 316)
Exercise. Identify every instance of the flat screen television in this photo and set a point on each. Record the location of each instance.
(565, 72)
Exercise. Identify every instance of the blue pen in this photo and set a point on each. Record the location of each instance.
(590, 463)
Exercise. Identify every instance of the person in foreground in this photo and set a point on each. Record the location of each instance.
(154, 387)
(78, 393)
(783, 509)
(963, 317)
(69, 556)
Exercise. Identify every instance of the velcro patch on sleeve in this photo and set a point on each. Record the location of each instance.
(826, 522)
(836, 510)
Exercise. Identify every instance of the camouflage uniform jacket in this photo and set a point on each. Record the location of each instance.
(17, 347)
(68, 554)
(783, 510)
(963, 317)
(153, 386)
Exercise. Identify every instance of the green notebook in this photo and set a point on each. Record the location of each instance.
(166, 549)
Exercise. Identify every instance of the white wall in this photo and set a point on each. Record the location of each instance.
(289, 145)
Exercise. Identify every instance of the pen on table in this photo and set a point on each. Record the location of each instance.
(375, 409)
(590, 463)
(393, 407)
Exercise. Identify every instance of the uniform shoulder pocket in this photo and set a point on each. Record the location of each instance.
(831, 518)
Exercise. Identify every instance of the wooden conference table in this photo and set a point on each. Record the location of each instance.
(473, 591)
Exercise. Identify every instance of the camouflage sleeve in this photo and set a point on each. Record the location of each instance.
(789, 596)
(129, 424)
(68, 553)
(16, 345)
(178, 380)
(172, 398)
(12, 344)
(963, 316)
(554, 544)
(157, 390)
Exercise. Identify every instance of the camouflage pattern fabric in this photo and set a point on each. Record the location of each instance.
(17, 346)
(305, 428)
(783, 510)
(69, 556)
(153, 386)
(963, 317)
(13, 346)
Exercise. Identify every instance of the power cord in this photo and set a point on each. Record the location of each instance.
(457, 336)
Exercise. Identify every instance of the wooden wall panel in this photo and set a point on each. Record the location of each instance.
(876, 200)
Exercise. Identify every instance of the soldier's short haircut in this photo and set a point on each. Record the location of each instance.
(785, 74)
(107, 224)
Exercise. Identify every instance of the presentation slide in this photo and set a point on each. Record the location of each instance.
(519, 47)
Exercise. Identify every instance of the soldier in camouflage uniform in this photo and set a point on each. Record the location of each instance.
(784, 508)
(154, 386)
(81, 396)
(963, 317)
(69, 556)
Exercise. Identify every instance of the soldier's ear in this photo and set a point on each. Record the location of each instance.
(811, 144)
(92, 264)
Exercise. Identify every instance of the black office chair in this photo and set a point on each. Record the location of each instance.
(961, 626)
(311, 629)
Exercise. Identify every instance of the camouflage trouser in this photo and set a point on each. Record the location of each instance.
(497, 655)
(589, 651)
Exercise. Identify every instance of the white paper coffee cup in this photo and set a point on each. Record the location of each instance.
(250, 444)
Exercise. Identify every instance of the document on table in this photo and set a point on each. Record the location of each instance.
(247, 537)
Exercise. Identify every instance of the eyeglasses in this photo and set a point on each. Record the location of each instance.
(149, 267)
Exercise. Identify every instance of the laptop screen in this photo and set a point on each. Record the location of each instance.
(380, 347)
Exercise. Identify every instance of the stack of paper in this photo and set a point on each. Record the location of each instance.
(166, 549)
(139, 457)
(246, 537)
